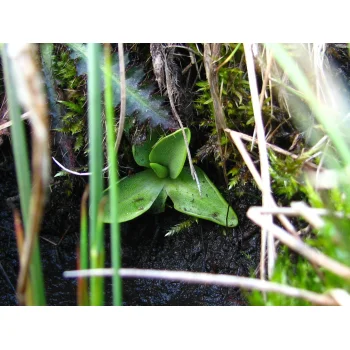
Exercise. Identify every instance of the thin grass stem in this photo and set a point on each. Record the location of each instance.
(113, 179)
(83, 299)
(98, 257)
(20, 151)
(95, 159)
(266, 237)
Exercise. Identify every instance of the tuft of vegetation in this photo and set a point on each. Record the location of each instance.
(291, 270)
(182, 226)
(72, 97)
(286, 173)
(167, 176)
(236, 101)
(235, 95)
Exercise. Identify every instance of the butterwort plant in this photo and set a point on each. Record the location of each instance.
(166, 176)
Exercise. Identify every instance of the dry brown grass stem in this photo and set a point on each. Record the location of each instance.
(72, 171)
(264, 166)
(263, 89)
(18, 230)
(32, 97)
(75, 172)
(9, 123)
(122, 95)
(269, 145)
(20, 241)
(173, 108)
(82, 285)
(211, 54)
(296, 244)
(308, 162)
(266, 78)
(295, 211)
(207, 278)
(236, 140)
(311, 216)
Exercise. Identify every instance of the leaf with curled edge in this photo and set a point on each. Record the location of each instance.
(139, 101)
(170, 152)
(210, 206)
(141, 151)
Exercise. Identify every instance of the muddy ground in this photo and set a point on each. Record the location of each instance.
(205, 247)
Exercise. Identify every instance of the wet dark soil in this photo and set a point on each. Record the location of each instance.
(205, 247)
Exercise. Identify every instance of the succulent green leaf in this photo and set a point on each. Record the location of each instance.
(136, 195)
(150, 188)
(210, 206)
(160, 170)
(170, 151)
(141, 152)
(139, 100)
(159, 204)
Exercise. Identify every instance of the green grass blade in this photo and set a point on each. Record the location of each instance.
(47, 61)
(83, 299)
(19, 146)
(98, 258)
(95, 159)
(113, 179)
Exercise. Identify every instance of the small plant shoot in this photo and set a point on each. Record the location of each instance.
(167, 176)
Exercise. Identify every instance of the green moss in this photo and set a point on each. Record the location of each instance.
(293, 271)
(286, 174)
(235, 97)
(73, 99)
(234, 92)
(181, 227)
(332, 239)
